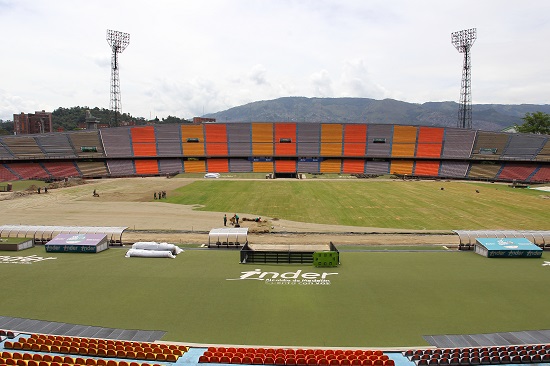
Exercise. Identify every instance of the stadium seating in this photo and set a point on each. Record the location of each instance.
(61, 169)
(28, 170)
(303, 357)
(541, 175)
(7, 175)
(279, 147)
(480, 355)
(76, 349)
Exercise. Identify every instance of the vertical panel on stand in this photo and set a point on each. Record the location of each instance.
(216, 139)
(192, 140)
(331, 139)
(262, 139)
(355, 139)
(285, 139)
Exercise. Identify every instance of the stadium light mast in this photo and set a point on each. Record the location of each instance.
(463, 41)
(118, 42)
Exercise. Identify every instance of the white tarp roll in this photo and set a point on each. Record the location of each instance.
(149, 253)
(152, 245)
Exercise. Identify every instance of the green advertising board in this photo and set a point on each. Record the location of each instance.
(326, 259)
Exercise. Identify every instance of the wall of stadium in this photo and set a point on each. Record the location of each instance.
(280, 147)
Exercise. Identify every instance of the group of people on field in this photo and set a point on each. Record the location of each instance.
(235, 220)
(160, 195)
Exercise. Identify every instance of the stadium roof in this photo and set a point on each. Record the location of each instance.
(468, 237)
(45, 233)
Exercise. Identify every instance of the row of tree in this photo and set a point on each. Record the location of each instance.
(69, 118)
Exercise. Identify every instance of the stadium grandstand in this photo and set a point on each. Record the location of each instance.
(282, 148)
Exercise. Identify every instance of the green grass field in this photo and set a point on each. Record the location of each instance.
(376, 299)
(384, 204)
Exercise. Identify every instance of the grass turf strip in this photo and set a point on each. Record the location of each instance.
(375, 299)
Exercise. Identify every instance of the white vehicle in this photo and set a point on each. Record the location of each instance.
(212, 175)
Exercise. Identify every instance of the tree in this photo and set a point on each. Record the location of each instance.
(537, 122)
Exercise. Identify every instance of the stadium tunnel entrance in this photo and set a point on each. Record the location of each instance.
(285, 175)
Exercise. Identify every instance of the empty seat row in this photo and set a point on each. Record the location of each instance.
(340, 357)
(114, 342)
(166, 355)
(297, 360)
(36, 359)
(298, 351)
(481, 355)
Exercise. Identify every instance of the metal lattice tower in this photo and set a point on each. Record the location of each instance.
(463, 41)
(118, 42)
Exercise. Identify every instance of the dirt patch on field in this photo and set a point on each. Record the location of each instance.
(129, 202)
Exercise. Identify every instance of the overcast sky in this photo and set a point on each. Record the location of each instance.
(188, 58)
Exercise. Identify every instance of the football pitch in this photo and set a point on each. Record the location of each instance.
(373, 299)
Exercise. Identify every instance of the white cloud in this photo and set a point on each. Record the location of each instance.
(188, 57)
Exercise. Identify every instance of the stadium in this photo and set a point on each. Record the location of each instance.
(423, 305)
(283, 149)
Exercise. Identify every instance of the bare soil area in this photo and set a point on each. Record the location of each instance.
(128, 202)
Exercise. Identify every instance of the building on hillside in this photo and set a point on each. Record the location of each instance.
(37, 122)
(91, 123)
(199, 120)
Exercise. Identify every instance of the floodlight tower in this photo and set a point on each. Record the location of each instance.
(118, 42)
(464, 40)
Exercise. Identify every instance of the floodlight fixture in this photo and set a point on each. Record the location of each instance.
(118, 42)
(463, 41)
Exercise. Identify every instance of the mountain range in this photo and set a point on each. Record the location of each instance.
(488, 117)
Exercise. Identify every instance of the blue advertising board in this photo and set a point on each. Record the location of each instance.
(507, 247)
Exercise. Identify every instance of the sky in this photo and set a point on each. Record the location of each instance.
(188, 58)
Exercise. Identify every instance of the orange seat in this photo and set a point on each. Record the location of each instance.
(389, 362)
(258, 360)
(334, 362)
(213, 359)
(290, 361)
(204, 359)
(356, 362)
(235, 360)
(112, 363)
(269, 360)
(323, 361)
(47, 358)
(301, 361)
(378, 362)
(311, 361)
(172, 358)
(79, 361)
(150, 356)
(123, 363)
(121, 354)
(160, 357)
(101, 362)
(225, 359)
(32, 363)
(279, 360)
(345, 362)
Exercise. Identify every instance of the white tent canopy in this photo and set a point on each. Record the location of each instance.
(46, 233)
(237, 235)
